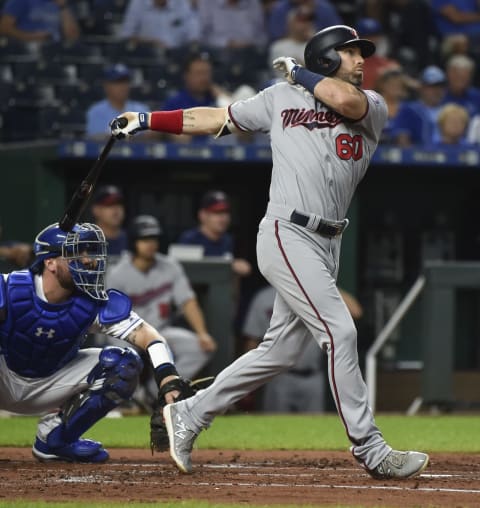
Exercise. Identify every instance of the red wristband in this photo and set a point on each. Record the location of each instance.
(167, 121)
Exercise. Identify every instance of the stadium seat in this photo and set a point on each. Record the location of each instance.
(49, 122)
(80, 94)
(71, 122)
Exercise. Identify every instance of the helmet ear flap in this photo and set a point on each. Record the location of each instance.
(326, 63)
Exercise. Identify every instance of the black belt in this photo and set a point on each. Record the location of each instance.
(325, 227)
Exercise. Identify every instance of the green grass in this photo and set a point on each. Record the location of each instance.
(291, 432)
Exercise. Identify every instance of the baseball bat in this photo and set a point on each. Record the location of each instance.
(84, 191)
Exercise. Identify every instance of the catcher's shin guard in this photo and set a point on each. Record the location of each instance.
(119, 369)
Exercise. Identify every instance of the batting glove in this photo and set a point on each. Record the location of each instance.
(128, 124)
(288, 66)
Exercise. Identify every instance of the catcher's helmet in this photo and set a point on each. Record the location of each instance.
(321, 50)
(83, 241)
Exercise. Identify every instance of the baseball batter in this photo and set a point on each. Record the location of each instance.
(45, 312)
(324, 130)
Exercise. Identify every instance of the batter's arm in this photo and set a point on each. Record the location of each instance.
(342, 97)
(193, 121)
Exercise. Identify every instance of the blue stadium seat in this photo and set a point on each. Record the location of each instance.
(42, 71)
(20, 123)
(49, 122)
(81, 94)
(71, 122)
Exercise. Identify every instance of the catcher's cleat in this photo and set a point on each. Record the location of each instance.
(82, 450)
(181, 438)
(399, 465)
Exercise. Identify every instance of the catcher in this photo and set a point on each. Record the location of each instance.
(45, 312)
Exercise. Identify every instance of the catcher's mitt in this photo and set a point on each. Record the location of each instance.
(158, 430)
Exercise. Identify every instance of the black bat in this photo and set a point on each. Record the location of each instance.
(83, 193)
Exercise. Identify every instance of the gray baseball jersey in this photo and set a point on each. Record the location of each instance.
(152, 296)
(152, 293)
(319, 157)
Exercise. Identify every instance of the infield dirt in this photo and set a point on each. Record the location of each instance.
(250, 477)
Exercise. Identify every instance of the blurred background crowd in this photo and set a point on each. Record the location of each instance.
(66, 68)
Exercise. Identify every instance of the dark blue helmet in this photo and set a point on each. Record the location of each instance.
(86, 242)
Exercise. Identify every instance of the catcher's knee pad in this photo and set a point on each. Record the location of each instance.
(120, 370)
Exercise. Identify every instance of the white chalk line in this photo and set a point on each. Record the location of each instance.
(216, 485)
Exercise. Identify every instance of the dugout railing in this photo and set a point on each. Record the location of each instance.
(438, 286)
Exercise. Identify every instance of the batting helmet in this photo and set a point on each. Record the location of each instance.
(83, 241)
(321, 54)
(144, 226)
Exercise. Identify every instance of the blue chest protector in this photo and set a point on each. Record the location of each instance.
(37, 337)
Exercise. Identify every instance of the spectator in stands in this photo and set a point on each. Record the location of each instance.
(460, 72)
(379, 62)
(157, 284)
(452, 124)
(38, 21)
(391, 84)
(416, 122)
(214, 219)
(325, 15)
(199, 90)
(164, 23)
(302, 388)
(108, 210)
(457, 16)
(231, 23)
(116, 84)
(300, 30)
(455, 44)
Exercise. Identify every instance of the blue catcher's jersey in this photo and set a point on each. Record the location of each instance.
(37, 337)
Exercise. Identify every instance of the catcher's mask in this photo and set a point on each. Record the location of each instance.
(85, 250)
(321, 54)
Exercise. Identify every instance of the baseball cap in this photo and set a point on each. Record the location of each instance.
(108, 195)
(145, 226)
(116, 72)
(433, 75)
(215, 201)
(369, 26)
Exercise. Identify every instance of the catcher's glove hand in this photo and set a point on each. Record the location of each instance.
(158, 430)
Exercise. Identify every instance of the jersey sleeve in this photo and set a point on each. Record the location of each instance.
(182, 291)
(253, 114)
(121, 329)
(376, 115)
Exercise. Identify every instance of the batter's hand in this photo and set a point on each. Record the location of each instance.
(288, 66)
(128, 124)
